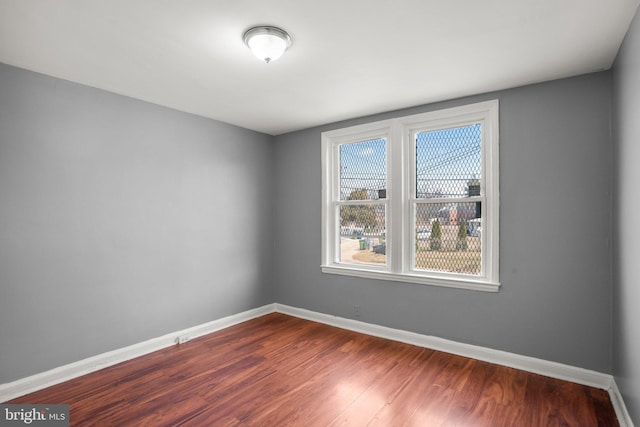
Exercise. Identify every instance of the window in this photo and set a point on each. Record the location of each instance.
(414, 199)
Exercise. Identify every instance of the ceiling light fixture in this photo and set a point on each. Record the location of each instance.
(267, 43)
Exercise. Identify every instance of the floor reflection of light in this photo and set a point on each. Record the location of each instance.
(360, 401)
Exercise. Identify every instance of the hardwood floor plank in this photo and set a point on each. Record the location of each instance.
(419, 391)
(279, 370)
(381, 392)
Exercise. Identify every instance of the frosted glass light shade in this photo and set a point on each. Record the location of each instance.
(267, 43)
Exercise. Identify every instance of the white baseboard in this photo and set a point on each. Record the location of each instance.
(54, 376)
(587, 377)
(525, 363)
(618, 404)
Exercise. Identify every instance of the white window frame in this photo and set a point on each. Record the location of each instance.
(400, 202)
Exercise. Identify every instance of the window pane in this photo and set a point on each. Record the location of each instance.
(362, 234)
(363, 170)
(448, 162)
(448, 237)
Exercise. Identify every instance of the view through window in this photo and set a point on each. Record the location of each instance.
(363, 187)
(448, 226)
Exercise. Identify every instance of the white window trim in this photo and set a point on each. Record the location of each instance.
(400, 148)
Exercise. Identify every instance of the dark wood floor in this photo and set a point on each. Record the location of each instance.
(279, 370)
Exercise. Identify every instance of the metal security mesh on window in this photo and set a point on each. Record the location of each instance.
(446, 161)
(363, 170)
(363, 178)
(447, 242)
(448, 228)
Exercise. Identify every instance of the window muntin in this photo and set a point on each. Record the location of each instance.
(438, 166)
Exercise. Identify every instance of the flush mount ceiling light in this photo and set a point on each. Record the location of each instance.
(267, 43)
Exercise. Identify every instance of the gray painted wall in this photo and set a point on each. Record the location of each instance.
(626, 291)
(555, 253)
(121, 221)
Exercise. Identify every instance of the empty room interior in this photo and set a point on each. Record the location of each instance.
(399, 213)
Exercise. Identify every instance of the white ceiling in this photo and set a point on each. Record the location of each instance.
(349, 58)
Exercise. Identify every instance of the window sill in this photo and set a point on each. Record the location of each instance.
(469, 284)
